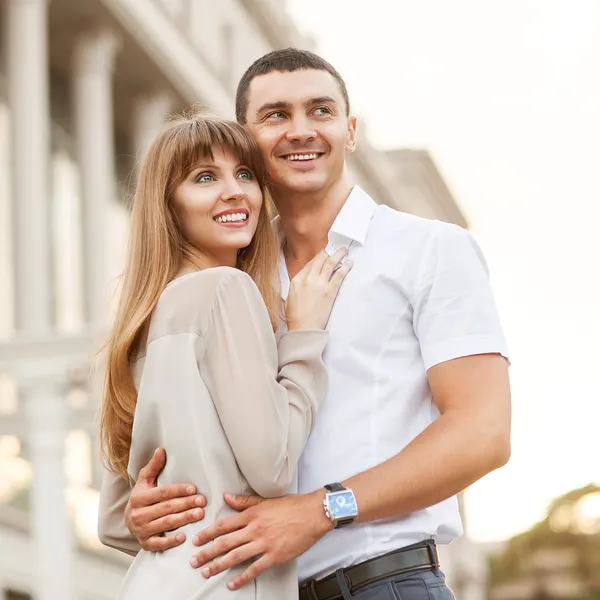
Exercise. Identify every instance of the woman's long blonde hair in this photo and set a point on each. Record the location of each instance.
(155, 255)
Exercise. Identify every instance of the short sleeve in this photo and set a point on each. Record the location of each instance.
(455, 314)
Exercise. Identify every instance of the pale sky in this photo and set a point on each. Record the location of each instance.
(506, 97)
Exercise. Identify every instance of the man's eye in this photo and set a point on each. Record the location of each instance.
(205, 178)
(275, 115)
(322, 110)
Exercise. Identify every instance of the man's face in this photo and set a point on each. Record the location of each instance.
(299, 121)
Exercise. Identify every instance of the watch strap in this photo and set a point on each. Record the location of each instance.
(343, 522)
(335, 487)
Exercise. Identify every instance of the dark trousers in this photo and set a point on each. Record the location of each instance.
(424, 585)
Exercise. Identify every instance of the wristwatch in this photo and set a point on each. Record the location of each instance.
(340, 505)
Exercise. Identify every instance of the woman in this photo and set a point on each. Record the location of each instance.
(193, 363)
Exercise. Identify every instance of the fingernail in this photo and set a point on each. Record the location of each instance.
(180, 537)
(190, 489)
(196, 540)
(197, 513)
(231, 585)
(194, 562)
(199, 501)
(206, 572)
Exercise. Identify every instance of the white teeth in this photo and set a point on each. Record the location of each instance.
(301, 156)
(232, 217)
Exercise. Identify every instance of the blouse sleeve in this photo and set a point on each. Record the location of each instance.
(112, 531)
(267, 394)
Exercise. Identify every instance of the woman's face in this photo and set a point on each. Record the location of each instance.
(218, 205)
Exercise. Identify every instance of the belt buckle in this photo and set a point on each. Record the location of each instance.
(433, 553)
(310, 588)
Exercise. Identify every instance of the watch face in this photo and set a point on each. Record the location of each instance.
(342, 505)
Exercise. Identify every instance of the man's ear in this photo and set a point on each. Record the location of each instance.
(351, 140)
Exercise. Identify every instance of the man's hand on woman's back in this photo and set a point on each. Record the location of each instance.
(154, 510)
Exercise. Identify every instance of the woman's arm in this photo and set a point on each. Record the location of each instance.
(112, 531)
(267, 394)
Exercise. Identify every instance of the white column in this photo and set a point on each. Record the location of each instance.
(47, 412)
(94, 61)
(28, 98)
(150, 112)
(28, 93)
(45, 405)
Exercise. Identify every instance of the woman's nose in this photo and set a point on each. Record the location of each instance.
(232, 191)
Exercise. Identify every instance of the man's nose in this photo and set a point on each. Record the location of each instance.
(300, 130)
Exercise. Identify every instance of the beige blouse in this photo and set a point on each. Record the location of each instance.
(233, 408)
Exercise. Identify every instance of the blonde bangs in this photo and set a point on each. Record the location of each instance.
(197, 139)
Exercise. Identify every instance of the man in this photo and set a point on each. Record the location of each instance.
(419, 400)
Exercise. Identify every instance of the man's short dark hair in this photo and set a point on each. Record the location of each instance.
(285, 61)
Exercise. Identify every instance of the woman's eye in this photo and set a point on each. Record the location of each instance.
(205, 178)
(245, 174)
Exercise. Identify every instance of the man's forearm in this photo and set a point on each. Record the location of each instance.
(451, 454)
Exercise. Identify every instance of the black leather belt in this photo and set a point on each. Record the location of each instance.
(418, 557)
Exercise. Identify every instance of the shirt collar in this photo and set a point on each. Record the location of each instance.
(352, 222)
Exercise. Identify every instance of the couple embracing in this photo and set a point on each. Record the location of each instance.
(292, 404)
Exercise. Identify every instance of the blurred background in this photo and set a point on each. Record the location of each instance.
(482, 113)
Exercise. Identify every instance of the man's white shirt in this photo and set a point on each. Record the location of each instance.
(418, 295)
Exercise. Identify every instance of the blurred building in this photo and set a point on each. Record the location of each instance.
(84, 86)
